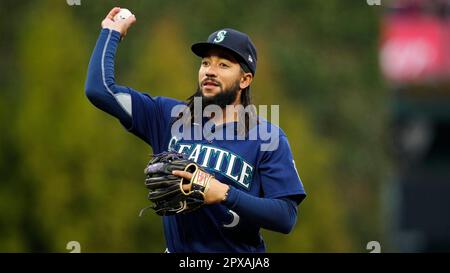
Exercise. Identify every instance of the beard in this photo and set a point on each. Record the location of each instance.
(222, 99)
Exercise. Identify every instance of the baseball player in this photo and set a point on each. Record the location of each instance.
(252, 188)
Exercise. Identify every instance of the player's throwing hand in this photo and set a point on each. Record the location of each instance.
(120, 26)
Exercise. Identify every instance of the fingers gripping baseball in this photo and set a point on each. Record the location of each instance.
(112, 13)
(121, 25)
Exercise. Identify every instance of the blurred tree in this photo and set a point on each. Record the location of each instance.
(64, 144)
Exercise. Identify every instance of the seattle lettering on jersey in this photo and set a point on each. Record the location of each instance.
(220, 160)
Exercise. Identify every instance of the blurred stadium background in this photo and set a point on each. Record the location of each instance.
(364, 99)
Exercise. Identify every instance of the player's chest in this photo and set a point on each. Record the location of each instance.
(232, 162)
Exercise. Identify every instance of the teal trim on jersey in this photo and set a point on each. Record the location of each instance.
(223, 167)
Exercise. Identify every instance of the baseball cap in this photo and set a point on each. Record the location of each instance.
(237, 42)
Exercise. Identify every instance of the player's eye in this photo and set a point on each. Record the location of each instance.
(224, 65)
(205, 63)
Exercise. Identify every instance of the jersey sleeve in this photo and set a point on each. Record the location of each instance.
(279, 176)
(151, 117)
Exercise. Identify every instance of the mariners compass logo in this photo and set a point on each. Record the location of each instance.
(220, 36)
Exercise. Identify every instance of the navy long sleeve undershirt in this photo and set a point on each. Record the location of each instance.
(273, 214)
(100, 87)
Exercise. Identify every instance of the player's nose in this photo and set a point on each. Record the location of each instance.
(211, 74)
(211, 71)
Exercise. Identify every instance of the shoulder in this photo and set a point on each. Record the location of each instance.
(161, 102)
(264, 126)
(270, 137)
(147, 99)
(156, 106)
(166, 101)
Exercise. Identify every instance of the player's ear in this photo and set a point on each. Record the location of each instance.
(246, 80)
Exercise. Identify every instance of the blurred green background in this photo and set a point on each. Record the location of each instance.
(69, 172)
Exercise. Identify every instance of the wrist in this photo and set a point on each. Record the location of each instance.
(113, 28)
(217, 192)
(225, 194)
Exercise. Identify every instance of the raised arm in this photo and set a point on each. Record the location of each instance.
(100, 86)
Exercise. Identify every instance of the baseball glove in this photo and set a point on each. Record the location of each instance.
(166, 190)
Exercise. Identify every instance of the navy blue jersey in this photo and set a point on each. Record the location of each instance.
(265, 187)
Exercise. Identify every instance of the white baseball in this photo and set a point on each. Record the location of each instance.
(122, 15)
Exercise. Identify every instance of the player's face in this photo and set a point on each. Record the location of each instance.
(219, 71)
